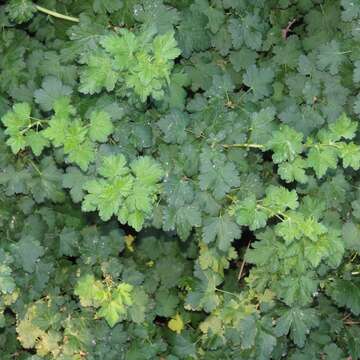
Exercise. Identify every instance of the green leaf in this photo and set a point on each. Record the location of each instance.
(246, 31)
(351, 236)
(106, 197)
(113, 166)
(203, 295)
(20, 10)
(333, 352)
(286, 144)
(68, 242)
(343, 127)
(147, 170)
(183, 219)
(60, 122)
(27, 251)
(248, 214)
(290, 229)
(164, 47)
(110, 6)
(17, 143)
(259, 81)
(350, 10)
(90, 291)
(74, 180)
(166, 303)
(51, 89)
(293, 171)
(265, 343)
(278, 199)
(36, 141)
(262, 126)
(223, 229)
(322, 159)
(7, 283)
(217, 174)
(242, 58)
(122, 48)
(75, 134)
(350, 154)
(298, 322)
(97, 75)
(345, 293)
(82, 155)
(45, 182)
(16, 121)
(100, 126)
(330, 57)
(138, 307)
(114, 309)
(174, 126)
(297, 289)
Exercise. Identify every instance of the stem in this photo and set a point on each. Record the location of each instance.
(56, 14)
(281, 216)
(248, 146)
(35, 167)
(227, 292)
(30, 126)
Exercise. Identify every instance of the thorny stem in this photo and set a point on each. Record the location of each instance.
(56, 14)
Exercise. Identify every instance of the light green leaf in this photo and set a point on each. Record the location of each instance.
(293, 171)
(247, 213)
(343, 127)
(114, 309)
(97, 75)
(350, 154)
(36, 141)
(100, 126)
(278, 199)
(286, 144)
(147, 170)
(113, 166)
(322, 159)
(90, 291)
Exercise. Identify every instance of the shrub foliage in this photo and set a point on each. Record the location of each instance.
(179, 179)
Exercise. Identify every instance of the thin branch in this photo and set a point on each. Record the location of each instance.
(243, 263)
(56, 14)
(246, 146)
(287, 29)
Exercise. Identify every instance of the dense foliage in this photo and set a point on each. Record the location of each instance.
(179, 179)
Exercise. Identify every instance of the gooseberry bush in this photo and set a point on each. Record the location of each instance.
(179, 179)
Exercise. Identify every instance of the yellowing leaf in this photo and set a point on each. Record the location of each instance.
(176, 324)
(129, 240)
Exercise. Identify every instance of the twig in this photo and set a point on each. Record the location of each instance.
(285, 31)
(243, 263)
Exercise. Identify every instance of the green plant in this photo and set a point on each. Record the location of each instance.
(179, 179)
